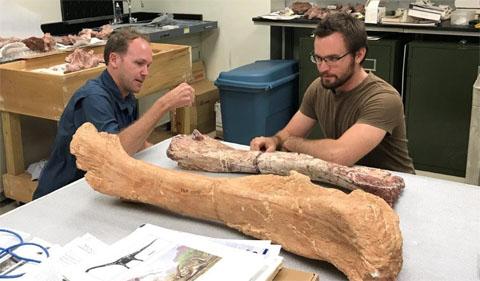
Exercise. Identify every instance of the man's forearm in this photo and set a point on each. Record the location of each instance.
(133, 137)
(325, 149)
(280, 138)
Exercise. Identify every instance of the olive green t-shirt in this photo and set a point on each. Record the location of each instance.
(373, 102)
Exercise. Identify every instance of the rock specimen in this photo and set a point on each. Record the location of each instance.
(8, 40)
(357, 232)
(300, 8)
(80, 59)
(44, 44)
(12, 49)
(199, 152)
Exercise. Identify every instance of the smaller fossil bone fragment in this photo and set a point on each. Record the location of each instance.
(200, 152)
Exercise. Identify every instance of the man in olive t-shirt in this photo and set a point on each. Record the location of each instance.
(360, 114)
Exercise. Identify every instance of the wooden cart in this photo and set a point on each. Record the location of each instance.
(26, 91)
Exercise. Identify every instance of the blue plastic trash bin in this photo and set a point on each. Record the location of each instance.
(257, 99)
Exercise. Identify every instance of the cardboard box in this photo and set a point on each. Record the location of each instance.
(471, 4)
(288, 274)
(201, 115)
(26, 91)
(198, 71)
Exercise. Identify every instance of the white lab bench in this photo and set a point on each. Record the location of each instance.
(439, 221)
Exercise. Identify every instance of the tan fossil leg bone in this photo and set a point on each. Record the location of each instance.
(357, 232)
(200, 152)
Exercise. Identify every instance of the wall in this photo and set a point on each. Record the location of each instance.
(48, 10)
(236, 42)
(277, 5)
(28, 12)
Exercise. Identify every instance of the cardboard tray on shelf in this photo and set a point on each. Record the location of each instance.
(288, 274)
(26, 91)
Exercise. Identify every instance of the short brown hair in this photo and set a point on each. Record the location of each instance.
(352, 29)
(119, 40)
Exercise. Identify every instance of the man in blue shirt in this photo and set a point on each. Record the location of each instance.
(108, 102)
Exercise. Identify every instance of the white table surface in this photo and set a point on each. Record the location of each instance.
(439, 221)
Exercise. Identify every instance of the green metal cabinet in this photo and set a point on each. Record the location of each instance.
(307, 70)
(384, 58)
(307, 73)
(439, 83)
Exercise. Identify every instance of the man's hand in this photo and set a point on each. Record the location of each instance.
(182, 95)
(268, 144)
(133, 137)
(298, 126)
(147, 144)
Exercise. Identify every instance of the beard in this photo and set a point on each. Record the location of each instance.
(129, 85)
(338, 81)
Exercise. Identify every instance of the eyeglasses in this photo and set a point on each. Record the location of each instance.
(329, 60)
(17, 260)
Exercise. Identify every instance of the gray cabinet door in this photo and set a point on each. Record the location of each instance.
(384, 59)
(439, 83)
(307, 73)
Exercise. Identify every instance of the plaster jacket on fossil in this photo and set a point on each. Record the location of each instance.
(358, 232)
(200, 152)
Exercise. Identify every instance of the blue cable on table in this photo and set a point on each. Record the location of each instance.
(10, 251)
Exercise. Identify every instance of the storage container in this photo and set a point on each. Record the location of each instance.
(257, 99)
(462, 16)
(26, 90)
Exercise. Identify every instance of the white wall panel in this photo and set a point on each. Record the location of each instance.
(48, 10)
(236, 42)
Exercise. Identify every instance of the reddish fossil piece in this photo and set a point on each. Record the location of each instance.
(199, 152)
(81, 59)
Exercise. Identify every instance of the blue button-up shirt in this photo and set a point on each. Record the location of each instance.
(99, 102)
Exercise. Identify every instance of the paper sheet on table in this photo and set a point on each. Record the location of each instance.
(17, 21)
(262, 247)
(148, 255)
(66, 258)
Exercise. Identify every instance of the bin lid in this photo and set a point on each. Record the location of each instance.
(262, 74)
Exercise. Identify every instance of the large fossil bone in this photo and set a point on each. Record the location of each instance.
(357, 232)
(200, 152)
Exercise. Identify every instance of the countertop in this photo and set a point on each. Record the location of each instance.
(185, 23)
(439, 221)
(444, 28)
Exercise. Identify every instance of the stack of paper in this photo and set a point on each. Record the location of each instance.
(429, 11)
(155, 253)
(401, 18)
